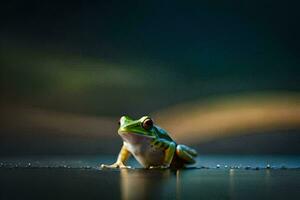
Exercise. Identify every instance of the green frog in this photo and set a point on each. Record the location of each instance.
(150, 145)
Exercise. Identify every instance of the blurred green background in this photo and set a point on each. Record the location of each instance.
(69, 70)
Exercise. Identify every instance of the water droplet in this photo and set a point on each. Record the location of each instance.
(247, 167)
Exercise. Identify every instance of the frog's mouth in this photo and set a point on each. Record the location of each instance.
(135, 137)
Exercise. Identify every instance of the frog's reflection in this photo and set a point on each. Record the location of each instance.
(146, 184)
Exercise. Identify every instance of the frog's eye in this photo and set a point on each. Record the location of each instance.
(147, 124)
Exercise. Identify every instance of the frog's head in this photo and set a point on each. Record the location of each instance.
(142, 127)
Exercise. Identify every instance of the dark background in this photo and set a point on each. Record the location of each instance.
(106, 59)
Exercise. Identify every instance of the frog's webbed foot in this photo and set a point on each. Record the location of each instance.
(115, 165)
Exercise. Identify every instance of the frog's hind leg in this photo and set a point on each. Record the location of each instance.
(186, 153)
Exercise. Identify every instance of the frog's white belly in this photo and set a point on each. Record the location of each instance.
(143, 151)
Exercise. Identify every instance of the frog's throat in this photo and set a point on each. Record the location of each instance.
(135, 138)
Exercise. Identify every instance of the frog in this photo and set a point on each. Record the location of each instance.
(150, 145)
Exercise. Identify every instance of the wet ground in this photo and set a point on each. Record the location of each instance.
(214, 177)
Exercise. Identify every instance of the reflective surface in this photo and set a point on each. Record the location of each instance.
(67, 178)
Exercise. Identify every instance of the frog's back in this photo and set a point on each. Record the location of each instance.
(161, 133)
(180, 158)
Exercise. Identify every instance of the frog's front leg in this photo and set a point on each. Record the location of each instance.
(169, 151)
(122, 158)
